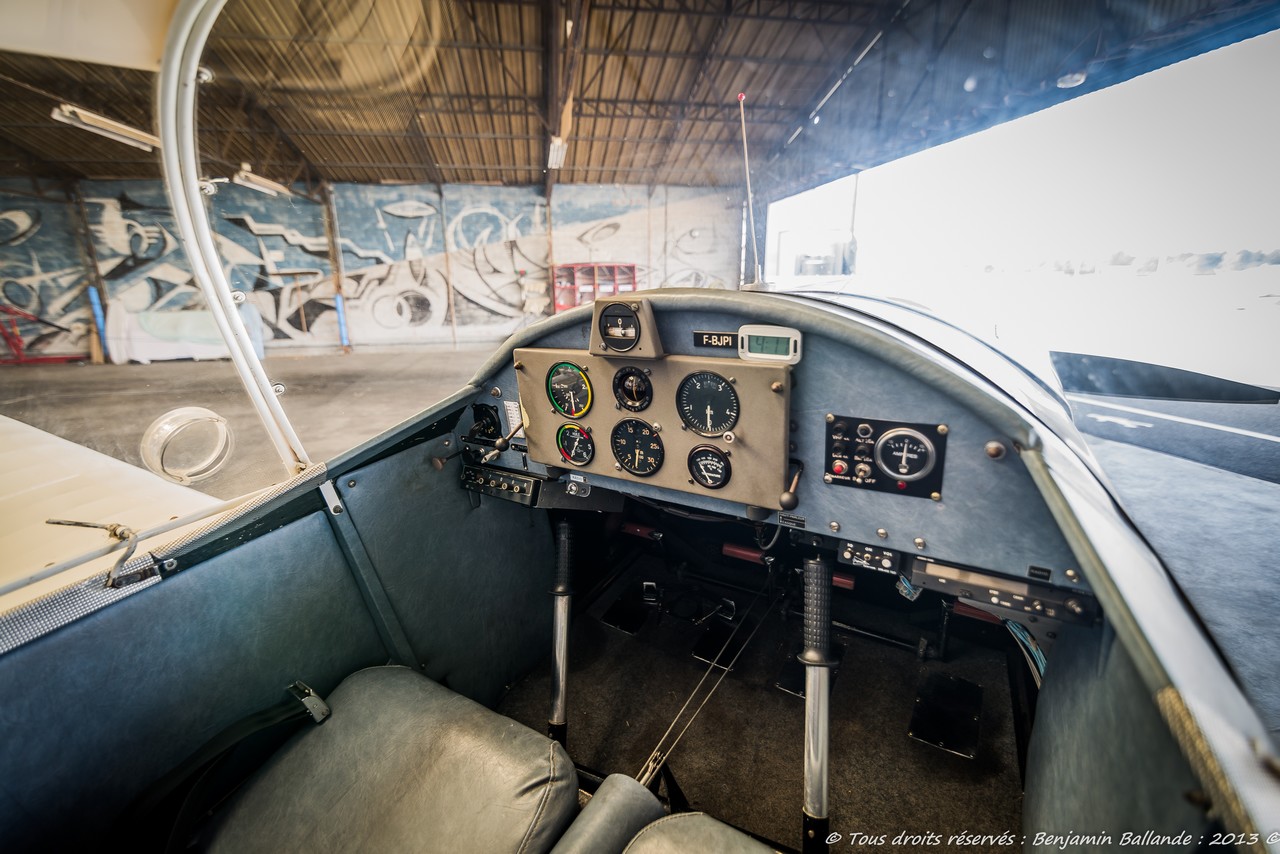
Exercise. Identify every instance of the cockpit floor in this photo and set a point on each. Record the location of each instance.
(742, 759)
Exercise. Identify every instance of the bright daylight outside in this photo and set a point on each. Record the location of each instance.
(1139, 222)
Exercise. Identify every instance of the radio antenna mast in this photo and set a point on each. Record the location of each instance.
(751, 213)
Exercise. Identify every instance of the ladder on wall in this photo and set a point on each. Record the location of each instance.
(580, 284)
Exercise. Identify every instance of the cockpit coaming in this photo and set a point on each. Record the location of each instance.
(845, 447)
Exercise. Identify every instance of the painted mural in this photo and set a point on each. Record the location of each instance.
(419, 265)
(42, 274)
(678, 237)
(275, 248)
(464, 264)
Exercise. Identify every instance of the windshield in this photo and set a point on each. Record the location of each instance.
(1134, 225)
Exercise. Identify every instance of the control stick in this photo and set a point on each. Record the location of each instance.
(558, 723)
(817, 688)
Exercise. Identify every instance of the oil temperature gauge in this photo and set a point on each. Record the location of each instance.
(709, 467)
(905, 454)
(575, 444)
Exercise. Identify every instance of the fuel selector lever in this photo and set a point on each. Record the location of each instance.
(500, 445)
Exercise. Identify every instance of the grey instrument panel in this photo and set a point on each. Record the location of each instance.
(693, 424)
(990, 513)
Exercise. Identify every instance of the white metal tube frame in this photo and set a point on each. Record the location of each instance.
(176, 87)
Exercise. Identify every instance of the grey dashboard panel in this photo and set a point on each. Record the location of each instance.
(990, 514)
(753, 449)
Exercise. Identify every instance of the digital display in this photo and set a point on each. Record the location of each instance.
(760, 342)
(771, 345)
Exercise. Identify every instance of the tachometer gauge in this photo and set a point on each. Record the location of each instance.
(709, 466)
(708, 404)
(905, 454)
(637, 447)
(632, 389)
(575, 444)
(569, 389)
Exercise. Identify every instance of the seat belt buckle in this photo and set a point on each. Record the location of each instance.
(316, 706)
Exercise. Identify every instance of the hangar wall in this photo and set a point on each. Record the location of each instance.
(419, 265)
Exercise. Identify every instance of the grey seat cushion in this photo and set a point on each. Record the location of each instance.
(617, 811)
(693, 833)
(404, 764)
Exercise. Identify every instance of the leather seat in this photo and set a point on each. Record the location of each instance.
(404, 764)
(624, 815)
(691, 833)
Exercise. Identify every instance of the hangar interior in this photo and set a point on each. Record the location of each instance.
(410, 183)
(458, 167)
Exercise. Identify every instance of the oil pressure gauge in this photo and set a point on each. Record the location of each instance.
(709, 466)
(905, 454)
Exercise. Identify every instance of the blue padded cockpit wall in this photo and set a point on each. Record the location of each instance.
(94, 712)
(1101, 759)
(473, 603)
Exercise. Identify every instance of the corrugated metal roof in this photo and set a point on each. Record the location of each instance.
(459, 91)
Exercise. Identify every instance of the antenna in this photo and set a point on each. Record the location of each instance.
(751, 211)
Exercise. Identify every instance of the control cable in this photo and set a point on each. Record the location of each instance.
(659, 756)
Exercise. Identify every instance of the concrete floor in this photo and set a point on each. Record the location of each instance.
(334, 401)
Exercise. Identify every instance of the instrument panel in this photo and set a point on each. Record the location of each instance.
(843, 444)
(692, 424)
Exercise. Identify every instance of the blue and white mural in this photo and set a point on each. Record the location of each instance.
(276, 249)
(419, 265)
(678, 237)
(43, 273)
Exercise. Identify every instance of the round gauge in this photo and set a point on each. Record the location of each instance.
(905, 454)
(637, 447)
(708, 404)
(632, 389)
(569, 389)
(619, 327)
(487, 425)
(575, 444)
(709, 467)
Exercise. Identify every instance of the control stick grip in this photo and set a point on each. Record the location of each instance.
(564, 559)
(817, 613)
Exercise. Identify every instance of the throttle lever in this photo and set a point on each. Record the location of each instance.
(789, 500)
(502, 444)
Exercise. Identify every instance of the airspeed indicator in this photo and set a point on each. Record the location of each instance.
(568, 389)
